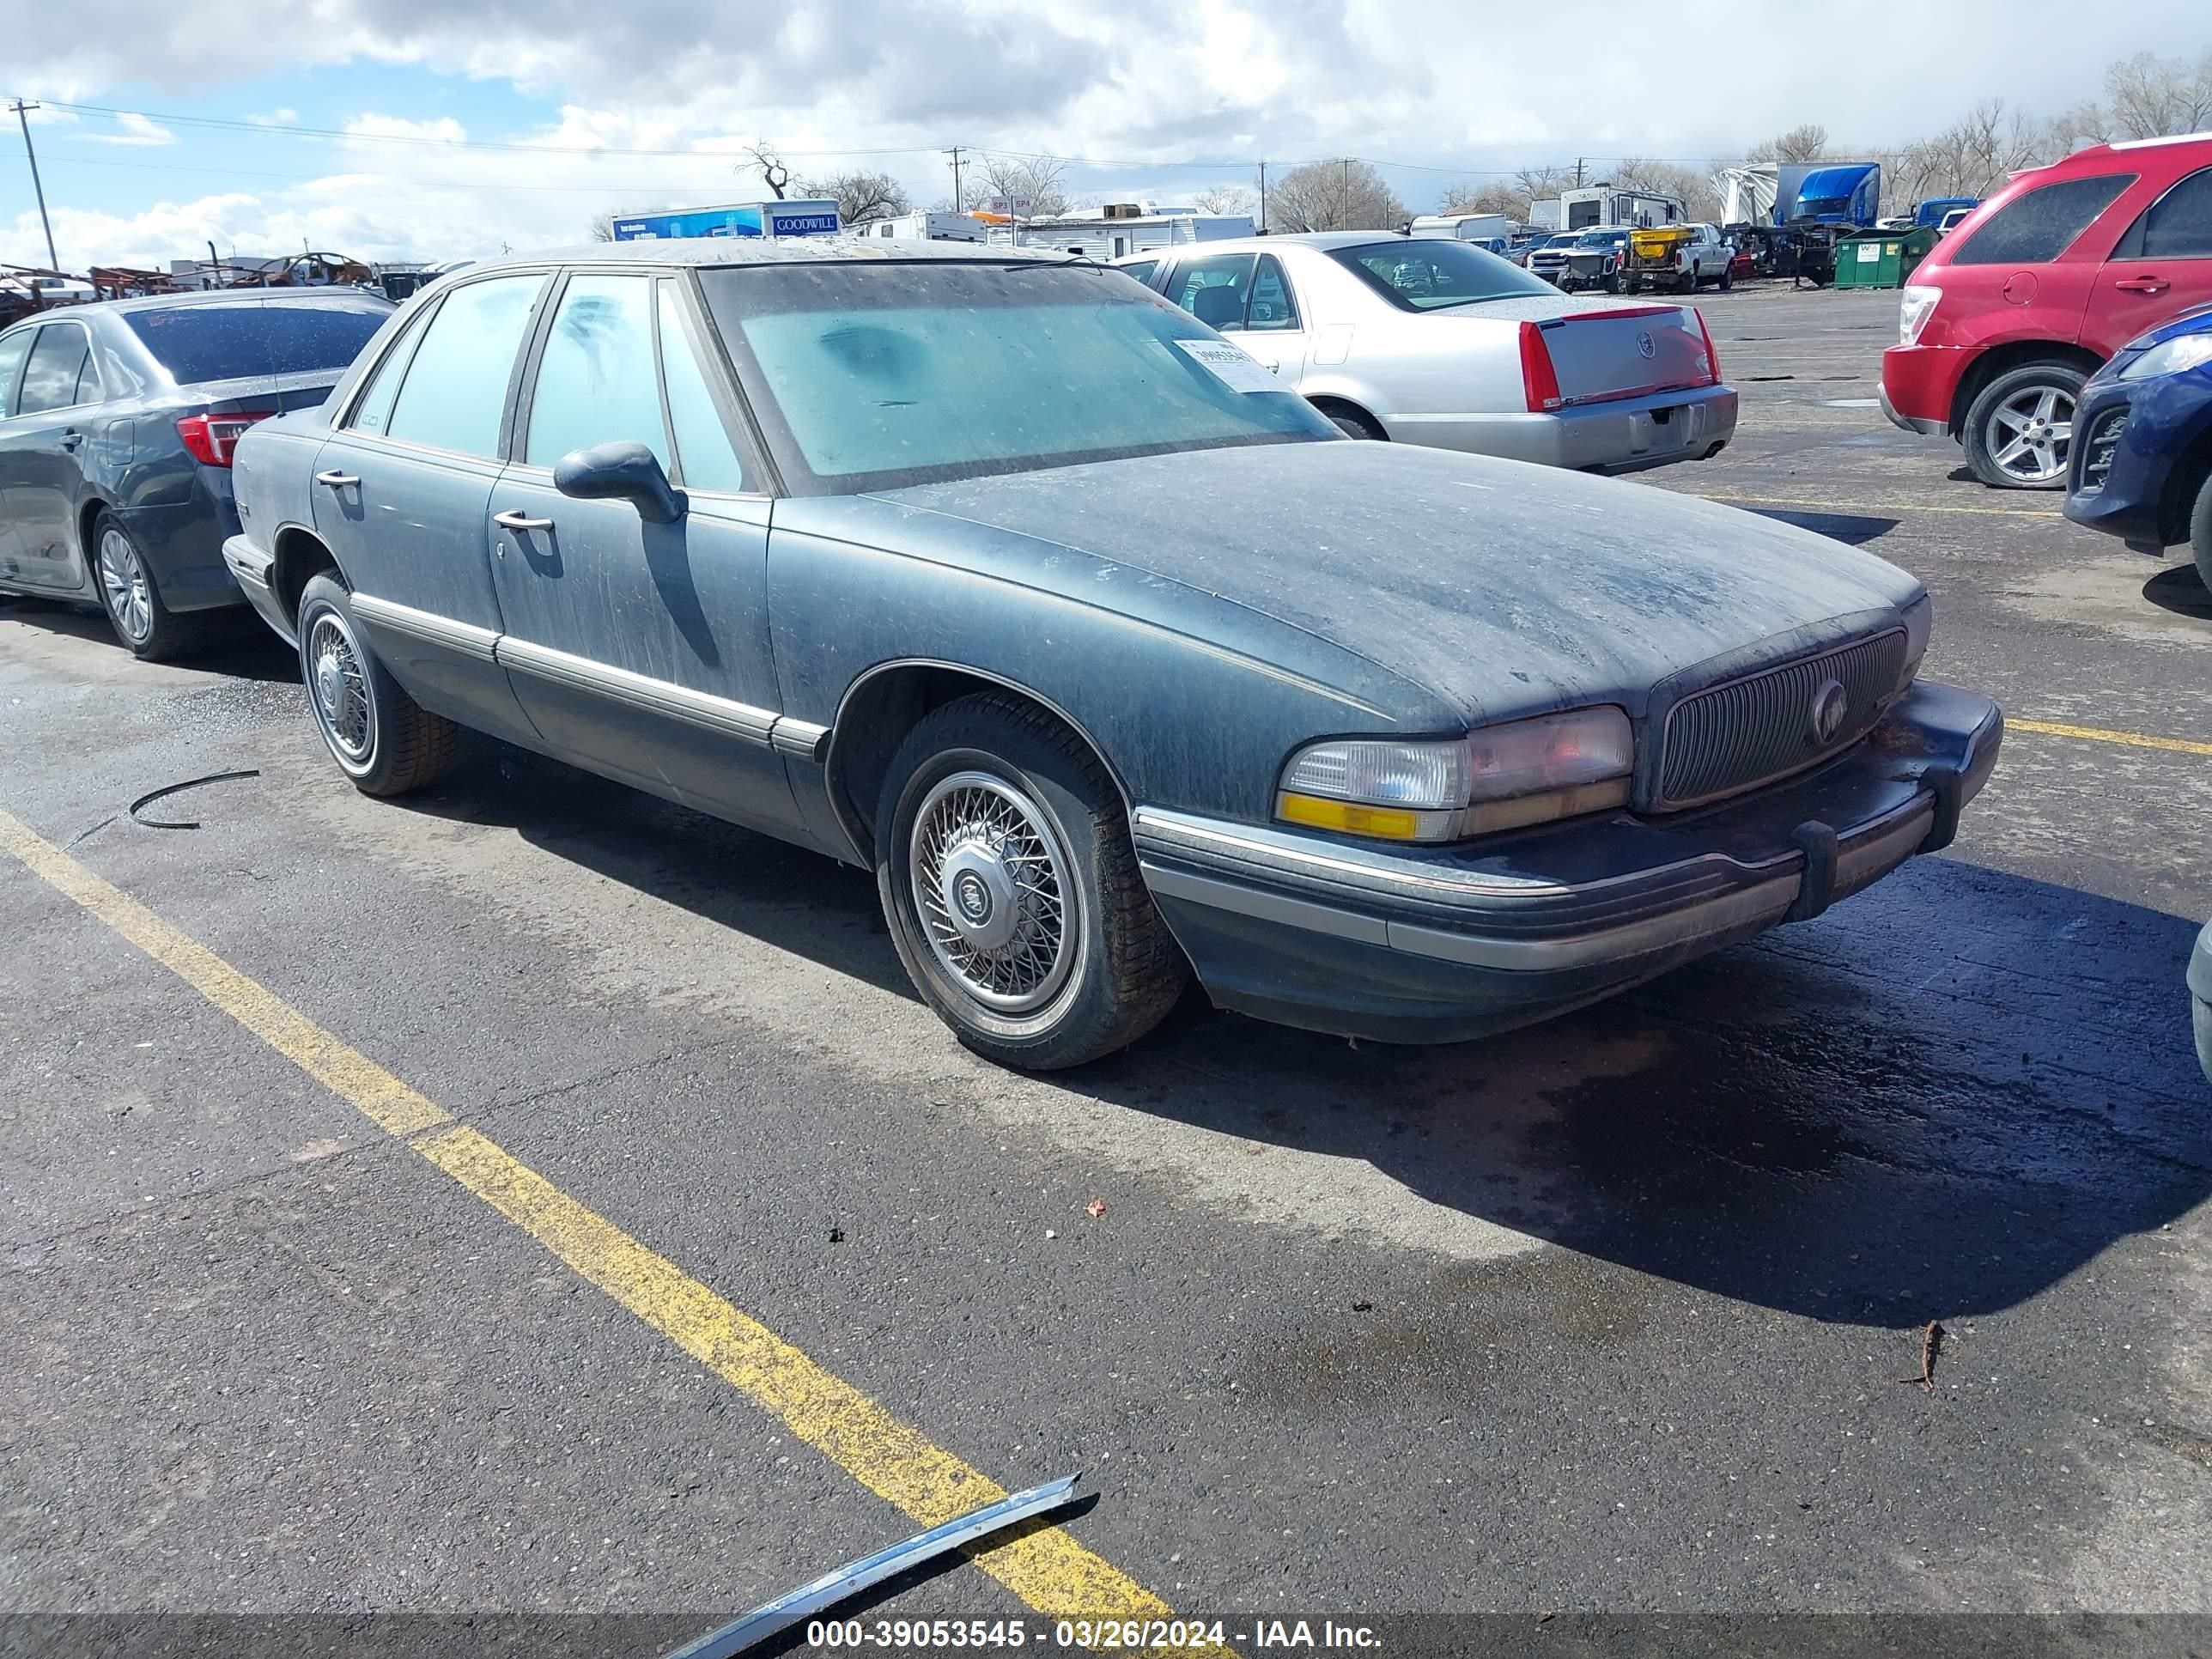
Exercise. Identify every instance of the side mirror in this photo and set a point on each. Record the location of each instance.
(625, 471)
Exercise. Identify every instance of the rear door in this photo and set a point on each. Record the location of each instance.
(403, 491)
(41, 470)
(641, 648)
(2161, 266)
(14, 346)
(1247, 298)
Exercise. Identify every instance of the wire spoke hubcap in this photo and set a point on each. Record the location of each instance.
(990, 883)
(2029, 433)
(340, 690)
(123, 584)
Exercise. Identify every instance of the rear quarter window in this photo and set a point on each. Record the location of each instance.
(225, 342)
(2036, 228)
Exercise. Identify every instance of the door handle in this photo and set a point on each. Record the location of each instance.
(2144, 284)
(72, 437)
(336, 480)
(512, 519)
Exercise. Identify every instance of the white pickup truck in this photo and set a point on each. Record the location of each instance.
(1678, 256)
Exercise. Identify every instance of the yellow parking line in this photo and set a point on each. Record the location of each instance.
(2098, 734)
(1047, 1568)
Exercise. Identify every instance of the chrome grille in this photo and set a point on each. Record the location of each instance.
(1748, 732)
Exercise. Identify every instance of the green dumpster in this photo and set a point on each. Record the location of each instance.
(1919, 243)
(1871, 258)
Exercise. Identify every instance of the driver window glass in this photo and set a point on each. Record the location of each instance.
(595, 379)
(702, 441)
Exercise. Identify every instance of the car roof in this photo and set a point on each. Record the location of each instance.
(712, 250)
(211, 296)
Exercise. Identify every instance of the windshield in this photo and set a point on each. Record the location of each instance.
(878, 375)
(1601, 238)
(1429, 276)
(227, 340)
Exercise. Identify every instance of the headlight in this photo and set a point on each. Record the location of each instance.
(1915, 306)
(1919, 615)
(2171, 357)
(1496, 777)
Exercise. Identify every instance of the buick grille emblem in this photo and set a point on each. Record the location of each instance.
(1643, 341)
(1830, 707)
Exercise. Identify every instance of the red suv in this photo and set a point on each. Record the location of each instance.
(2030, 295)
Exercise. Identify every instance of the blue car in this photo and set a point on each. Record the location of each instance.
(2142, 455)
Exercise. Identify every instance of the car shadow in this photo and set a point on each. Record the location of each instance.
(1938, 1100)
(1852, 529)
(2181, 591)
(243, 647)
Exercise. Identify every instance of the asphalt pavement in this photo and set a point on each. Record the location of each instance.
(1609, 1317)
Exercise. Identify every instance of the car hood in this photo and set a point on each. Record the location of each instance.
(1502, 588)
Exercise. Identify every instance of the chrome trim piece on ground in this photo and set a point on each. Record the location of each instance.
(464, 638)
(801, 738)
(849, 1580)
(701, 708)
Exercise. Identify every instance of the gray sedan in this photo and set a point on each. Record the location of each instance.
(117, 425)
(1436, 342)
(1000, 576)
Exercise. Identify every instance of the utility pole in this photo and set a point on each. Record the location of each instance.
(1345, 222)
(22, 116)
(1263, 198)
(1578, 172)
(959, 202)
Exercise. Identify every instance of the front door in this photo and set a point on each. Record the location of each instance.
(2161, 267)
(402, 489)
(43, 469)
(642, 649)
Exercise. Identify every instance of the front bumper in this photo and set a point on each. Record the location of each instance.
(1438, 944)
(253, 567)
(1626, 435)
(2163, 417)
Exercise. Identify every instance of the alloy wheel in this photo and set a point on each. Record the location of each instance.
(123, 584)
(992, 887)
(2029, 433)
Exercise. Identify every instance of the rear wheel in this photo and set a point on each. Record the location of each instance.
(2019, 430)
(381, 738)
(132, 600)
(1355, 422)
(1012, 888)
(1727, 276)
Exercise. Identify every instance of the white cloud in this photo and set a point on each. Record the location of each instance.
(132, 129)
(277, 117)
(1146, 84)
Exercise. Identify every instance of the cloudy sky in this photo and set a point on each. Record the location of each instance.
(434, 128)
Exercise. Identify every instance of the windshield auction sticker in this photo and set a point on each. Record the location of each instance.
(1232, 367)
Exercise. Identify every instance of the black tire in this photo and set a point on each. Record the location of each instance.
(1727, 276)
(2010, 391)
(1356, 423)
(381, 738)
(132, 599)
(2200, 531)
(1113, 974)
(1611, 283)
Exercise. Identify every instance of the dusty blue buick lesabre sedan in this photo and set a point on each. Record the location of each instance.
(999, 575)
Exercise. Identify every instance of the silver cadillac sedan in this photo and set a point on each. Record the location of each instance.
(1436, 342)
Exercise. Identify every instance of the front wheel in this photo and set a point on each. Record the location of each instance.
(2019, 430)
(1011, 889)
(381, 738)
(1728, 277)
(2200, 531)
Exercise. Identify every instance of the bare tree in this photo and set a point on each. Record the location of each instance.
(1224, 198)
(1042, 180)
(603, 226)
(860, 196)
(1341, 195)
(2084, 125)
(769, 165)
(1972, 156)
(1806, 143)
(1700, 196)
(2155, 97)
(1498, 196)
